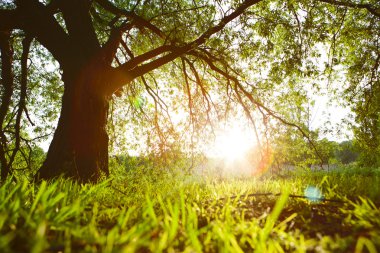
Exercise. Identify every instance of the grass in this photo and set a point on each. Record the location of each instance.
(152, 210)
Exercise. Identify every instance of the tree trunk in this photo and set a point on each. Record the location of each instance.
(6, 96)
(79, 148)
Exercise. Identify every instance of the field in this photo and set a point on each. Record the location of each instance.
(153, 210)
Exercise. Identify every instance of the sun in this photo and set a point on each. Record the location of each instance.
(233, 143)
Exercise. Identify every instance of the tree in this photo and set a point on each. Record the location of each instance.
(104, 46)
(346, 153)
(367, 116)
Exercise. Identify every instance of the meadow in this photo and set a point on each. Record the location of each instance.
(147, 209)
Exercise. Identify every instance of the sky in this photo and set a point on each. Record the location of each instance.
(326, 110)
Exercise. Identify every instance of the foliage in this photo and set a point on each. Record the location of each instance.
(208, 60)
(347, 153)
(327, 150)
(291, 149)
(367, 128)
(362, 82)
(39, 113)
(149, 210)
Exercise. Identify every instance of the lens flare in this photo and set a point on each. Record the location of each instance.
(234, 144)
(313, 194)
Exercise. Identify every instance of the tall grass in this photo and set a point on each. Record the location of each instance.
(150, 210)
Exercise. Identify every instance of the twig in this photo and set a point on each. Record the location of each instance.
(279, 194)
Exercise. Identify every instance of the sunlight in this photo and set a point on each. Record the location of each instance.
(234, 143)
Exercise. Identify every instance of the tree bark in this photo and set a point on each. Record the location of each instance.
(79, 148)
(7, 86)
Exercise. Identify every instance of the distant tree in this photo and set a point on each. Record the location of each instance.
(346, 152)
(327, 150)
(367, 128)
(213, 47)
(292, 149)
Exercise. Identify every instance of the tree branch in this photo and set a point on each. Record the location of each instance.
(374, 11)
(135, 61)
(239, 88)
(178, 51)
(9, 20)
(188, 91)
(38, 21)
(139, 21)
(22, 103)
(205, 94)
(54, 5)
(109, 49)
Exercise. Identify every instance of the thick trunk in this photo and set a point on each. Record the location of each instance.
(79, 148)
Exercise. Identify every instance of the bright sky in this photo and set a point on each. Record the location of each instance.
(326, 111)
(232, 142)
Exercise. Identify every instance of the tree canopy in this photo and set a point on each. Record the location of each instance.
(205, 58)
